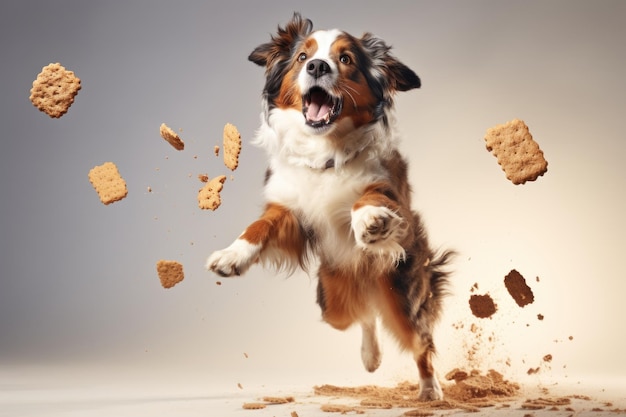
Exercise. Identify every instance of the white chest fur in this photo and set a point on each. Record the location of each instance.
(322, 199)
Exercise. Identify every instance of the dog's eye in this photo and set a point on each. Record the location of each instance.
(301, 57)
(345, 59)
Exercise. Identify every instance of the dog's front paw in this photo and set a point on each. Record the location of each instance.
(378, 229)
(235, 259)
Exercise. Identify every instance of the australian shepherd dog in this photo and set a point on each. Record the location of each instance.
(337, 192)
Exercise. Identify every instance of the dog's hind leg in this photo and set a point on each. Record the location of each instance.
(412, 331)
(370, 350)
(341, 304)
(429, 385)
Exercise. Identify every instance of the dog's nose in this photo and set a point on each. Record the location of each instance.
(317, 68)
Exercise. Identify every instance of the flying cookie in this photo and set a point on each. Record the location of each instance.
(517, 153)
(232, 146)
(209, 195)
(108, 183)
(171, 137)
(54, 90)
(170, 273)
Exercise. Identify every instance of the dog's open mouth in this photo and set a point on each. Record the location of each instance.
(320, 108)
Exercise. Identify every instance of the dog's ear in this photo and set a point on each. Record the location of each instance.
(397, 76)
(281, 45)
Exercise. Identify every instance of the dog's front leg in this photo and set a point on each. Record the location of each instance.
(277, 228)
(378, 224)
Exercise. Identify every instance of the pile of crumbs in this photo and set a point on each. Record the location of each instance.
(267, 401)
(470, 392)
(466, 392)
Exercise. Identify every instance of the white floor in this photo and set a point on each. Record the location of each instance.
(52, 393)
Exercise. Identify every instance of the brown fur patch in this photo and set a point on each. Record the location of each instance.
(359, 102)
(394, 314)
(278, 228)
(342, 297)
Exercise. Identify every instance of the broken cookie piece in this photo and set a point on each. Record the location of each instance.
(209, 195)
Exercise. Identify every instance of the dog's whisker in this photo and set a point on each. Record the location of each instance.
(345, 88)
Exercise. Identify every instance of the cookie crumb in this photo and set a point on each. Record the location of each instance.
(518, 289)
(482, 306)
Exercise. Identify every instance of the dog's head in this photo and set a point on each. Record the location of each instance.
(334, 81)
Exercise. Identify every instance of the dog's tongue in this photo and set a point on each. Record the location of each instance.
(319, 106)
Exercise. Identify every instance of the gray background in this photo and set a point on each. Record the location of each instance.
(78, 285)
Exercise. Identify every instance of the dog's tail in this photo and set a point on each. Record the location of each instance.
(439, 274)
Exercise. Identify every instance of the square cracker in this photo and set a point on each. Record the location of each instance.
(108, 183)
(517, 153)
(54, 90)
(171, 137)
(170, 273)
(209, 195)
(232, 146)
